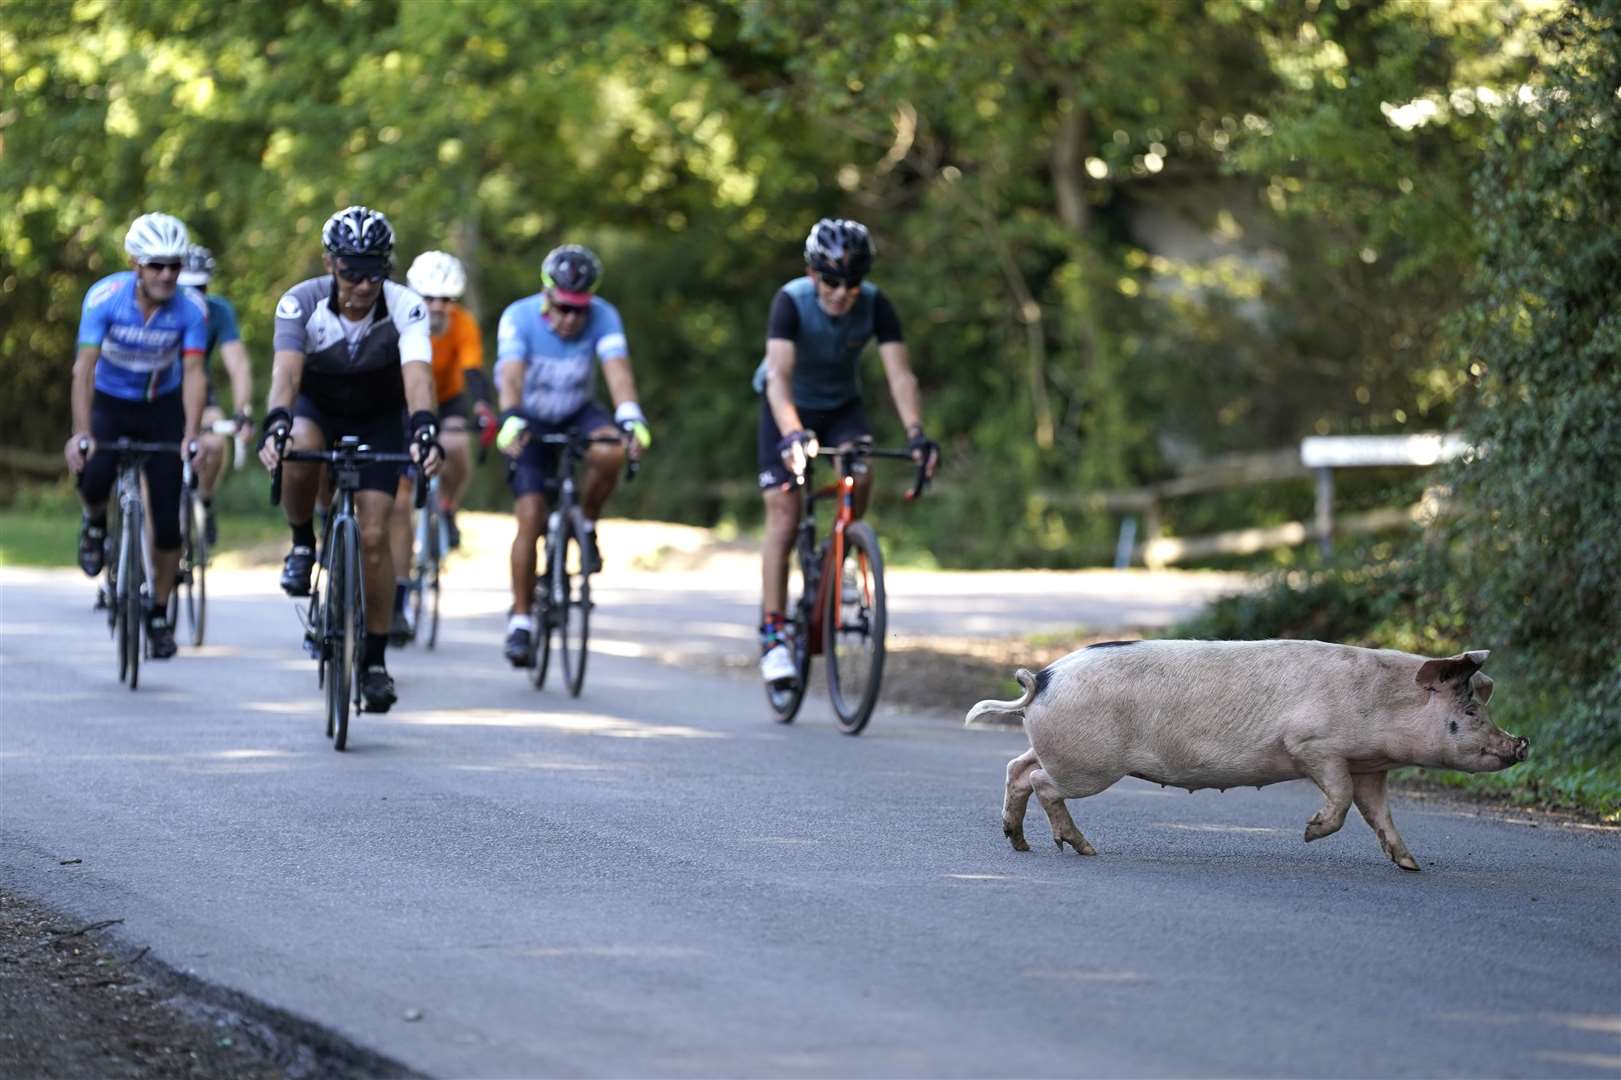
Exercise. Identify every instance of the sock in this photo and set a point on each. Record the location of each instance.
(400, 586)
(376, 646)
(99, 522)
(304, 535)
(208, 502)
(519, 622)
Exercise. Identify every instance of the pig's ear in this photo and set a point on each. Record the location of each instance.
(1432, 673)
(1483, 688)
(1478, 656)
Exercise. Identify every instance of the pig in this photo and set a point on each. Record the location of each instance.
(1221, 714)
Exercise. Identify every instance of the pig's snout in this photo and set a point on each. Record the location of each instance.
(1522, 748)
(1509, 749)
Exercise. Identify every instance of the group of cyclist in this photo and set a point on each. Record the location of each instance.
(400, 366)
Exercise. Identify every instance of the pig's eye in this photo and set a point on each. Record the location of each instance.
(1452, 726)
(1471, 711)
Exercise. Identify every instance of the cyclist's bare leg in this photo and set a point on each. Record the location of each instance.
(453, 477)
(781, 519)
(602, 464)
(210, 453)
(530, 512)
(373, 509)
(402, 525)
(300, 480)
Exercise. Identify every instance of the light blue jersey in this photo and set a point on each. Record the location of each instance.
(559, 374)
(140, 357)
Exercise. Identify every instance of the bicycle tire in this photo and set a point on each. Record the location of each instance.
(853, 630)
(574, 615)
(199, 573)
(342, 612)
(134, 578)
(117, 609)
(540, 624)
(786, 700)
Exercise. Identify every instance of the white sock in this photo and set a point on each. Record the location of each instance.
(519, 622)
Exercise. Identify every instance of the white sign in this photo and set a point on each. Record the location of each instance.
(1338, 451)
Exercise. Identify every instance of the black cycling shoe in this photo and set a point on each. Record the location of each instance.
(296, 570)
(399, 631)
(377, 689)
(160, 637)
(590, 554)
(517, 647)
(452, 531)
(92, 547)
(211, 528)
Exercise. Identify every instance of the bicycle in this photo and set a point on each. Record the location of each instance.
(127, 590)
(562, 596)
(430, 545)
(432, 541)
(841, 610)
(335, 624)
(190, 583)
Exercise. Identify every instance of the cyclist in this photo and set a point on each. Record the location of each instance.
(461, 389)
(819, 326)
(222, 334)
(351, 353)
(139, 374)
(548, 349)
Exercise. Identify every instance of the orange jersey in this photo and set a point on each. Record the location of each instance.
(455, 352)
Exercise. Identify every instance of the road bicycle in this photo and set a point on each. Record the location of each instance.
(190, 592)
(562, 597)
(841, 610)
(335, 621)
(127, 590)
(431, 543)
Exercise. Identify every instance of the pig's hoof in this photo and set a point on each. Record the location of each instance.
(1407, 862)
(1019, 842)
(1082, 848)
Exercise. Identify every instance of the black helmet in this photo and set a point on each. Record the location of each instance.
(571, 269)
(358, 232)
(839, 246)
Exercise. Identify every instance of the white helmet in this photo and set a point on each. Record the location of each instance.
(197, 267)
(156, 236)
(437, 273)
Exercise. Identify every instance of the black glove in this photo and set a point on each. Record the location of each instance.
(278, 422)
(797, 448)
(917, 441)
(425, 432)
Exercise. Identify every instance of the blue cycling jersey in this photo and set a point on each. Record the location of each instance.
(222, 328)
(140, 356)
(558, 373)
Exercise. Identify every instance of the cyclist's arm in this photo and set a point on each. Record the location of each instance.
(286, 375)
(509, 384)
(193, 391)
(902, 384)
(779, 384)
(237, 365)
(621, 383)
(84, 386)
(419, 390)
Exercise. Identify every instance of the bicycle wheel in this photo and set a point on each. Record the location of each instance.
(342, 628)
(853, 629)
(197, 592)
(132, 579)
(572, 586)
(785, 700)
(117, 607)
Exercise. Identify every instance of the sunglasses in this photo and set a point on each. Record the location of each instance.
(834, 281)
(355, 277)
(170, 267)
(569, 309)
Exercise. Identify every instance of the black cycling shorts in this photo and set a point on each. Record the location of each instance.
(833, 427)
(461, 405)
(383, 431)
(160, 420)
(535, 470)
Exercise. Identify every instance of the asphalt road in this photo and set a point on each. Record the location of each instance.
(657, 880)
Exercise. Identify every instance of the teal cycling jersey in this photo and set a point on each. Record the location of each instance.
(559, 373)
(827, 350)
(222, 328)
(140, 356)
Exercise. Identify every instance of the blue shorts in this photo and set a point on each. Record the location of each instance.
(535, 470)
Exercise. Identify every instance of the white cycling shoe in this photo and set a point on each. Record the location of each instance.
(777, 666)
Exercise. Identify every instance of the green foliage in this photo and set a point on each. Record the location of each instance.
(1536, 538)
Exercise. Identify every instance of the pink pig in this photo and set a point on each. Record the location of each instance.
(1221, 714)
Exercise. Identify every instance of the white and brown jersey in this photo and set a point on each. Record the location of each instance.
(353, 369)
